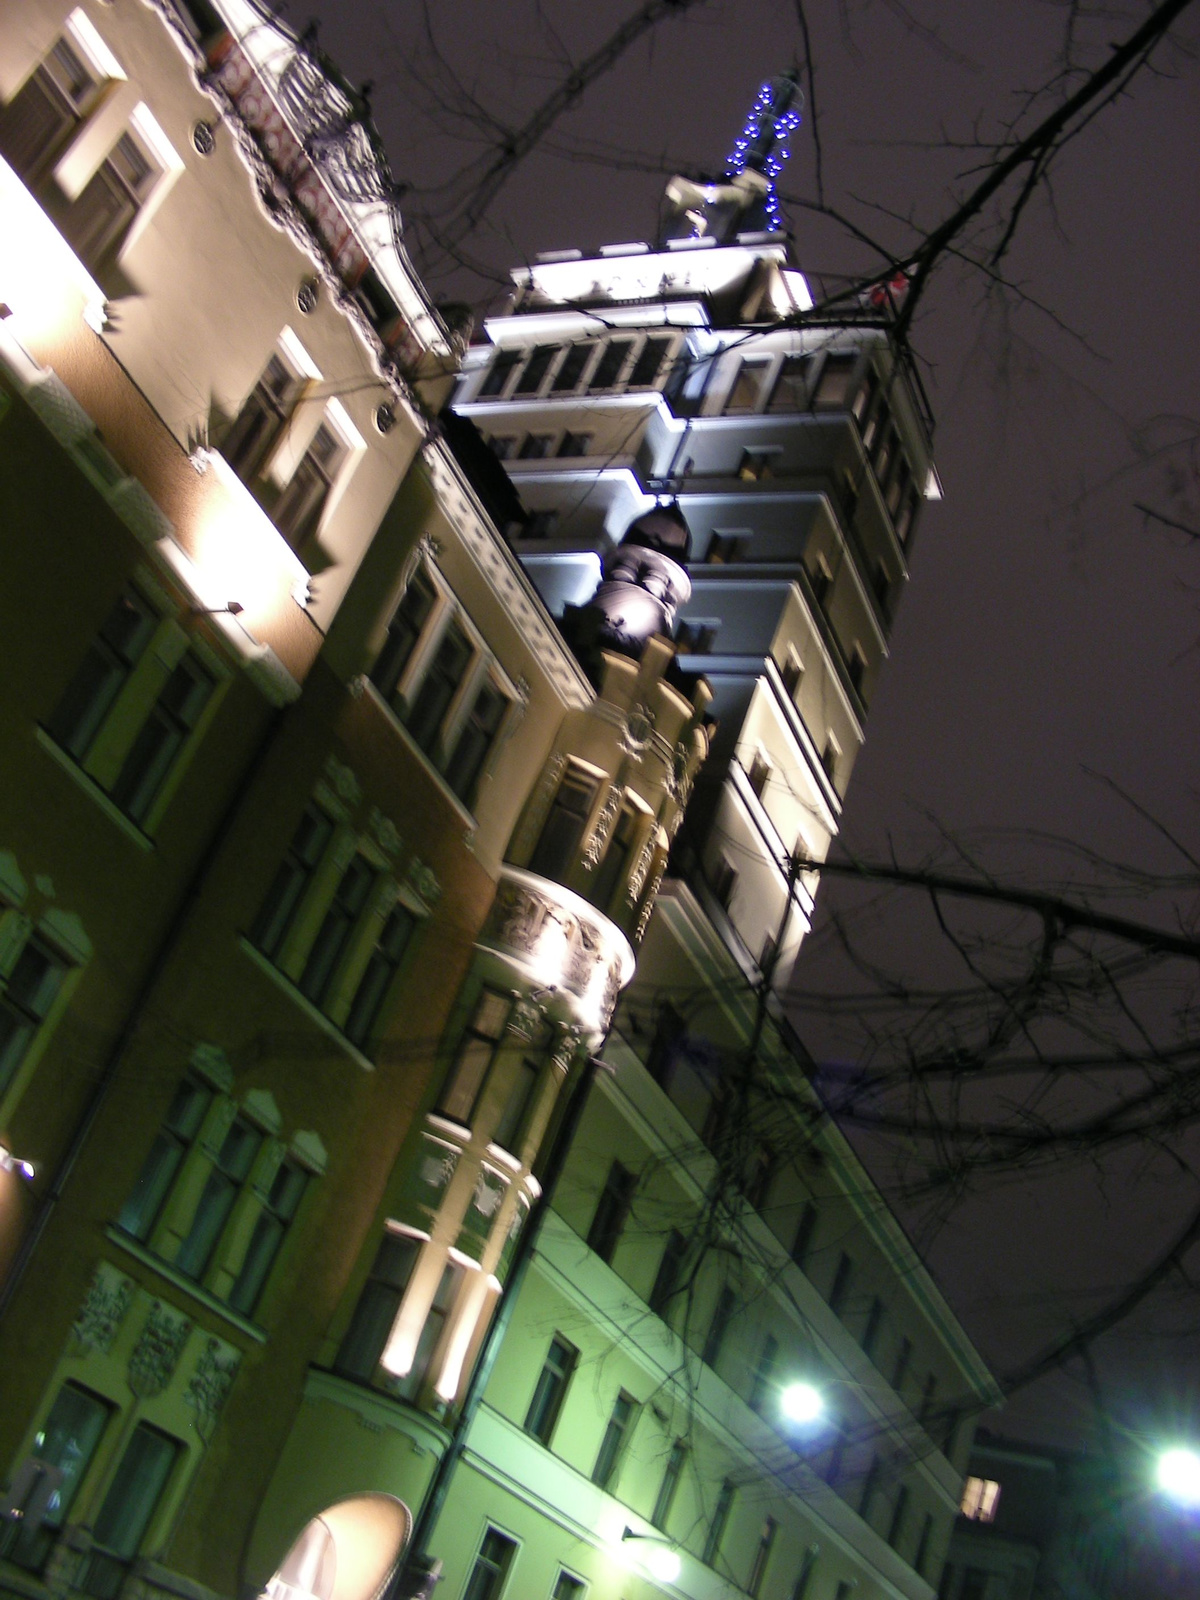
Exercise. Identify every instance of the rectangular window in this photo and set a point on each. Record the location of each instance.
(617, 864)
(382, 966)
(747, 387)
(567, 1588)
(25, 1000)
(230, 1171)
(759, 772)
(105, 671)
(791, 387)
(611, 1211)
(279, 1208)
(906, 515)
(903, 1357)
(39, 119)
(856, 670)
(616, 1434)
(724, 882)
(292, 880)
(696, 635)
(762, 1556)
(791, 673)
(575, 444)
(869, 1489)
(607, 372)
(571, 369)
(928, 1395)
(541, 524)
(475, 739)
(504, 446)
(561, 839)
(756, 465)
(725, 548)
(161, 1167)
(536, 447)
(804, 1577)
(551, 1389)
(499, 372)
(722, 1316)
(378, 1305)
(720, 1521)
(347, 906)
(300, 506)
(443, 677)
(899, 1512)
(764, 1372)
(130, 1503)
(666, 1280)
(840, 1289)
(257, 427)
(510, 1130)
(649, 362)
(922, 1554)
(96, 222)
(491, 1568)
(172, 720)
(536, 368)
(476, 1052)
(404, 630)
(833, 386)
(667, 1489)
(805, 1229)
(431, 1332)
(873, 1324)
(65, 1444)
(980, 1499)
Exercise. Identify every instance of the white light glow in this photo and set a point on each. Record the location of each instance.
(662, 1563)
(1179, 1476)
(42, 281)
(801, 1402)
(12, 1163)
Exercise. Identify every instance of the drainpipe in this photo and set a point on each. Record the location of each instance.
(419, 1574)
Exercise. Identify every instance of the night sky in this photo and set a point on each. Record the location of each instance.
(1051, 634)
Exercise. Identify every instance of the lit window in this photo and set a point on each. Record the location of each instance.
(561, 839)
(378, 1306)
(292, 881)
(616, 1434)
(611, 1211)
(980, 1499)
(617, 863)
(300, 506)
(551, 1389)
(65, 1446)
(125, 1514)
(478, 1049)
(26, 996)
(491, 1567)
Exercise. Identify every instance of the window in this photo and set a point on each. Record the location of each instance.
(278, 1210)
(504, 446)
(727, 1303)
(840, 1289)
(611, 1211)
(881, 587)
(26, 997)
(561, 839)
(829, 758)
(298, 510)
(607, 370)
(759, 772)
(571, 369)
(475, 738)
(499, 371)
(106, 669)
(833, 1466)
(171, 1144)
(64, 1445)
(262, 419)
(832, 392)
(40, 117)
(856, 669)
(173, 718)
(980, 1499)
(696, 635)
(510, 1130)
(869, 1488)
(292, 881)
(845, 1589)
(724, 882)
(378, 1305)
(804, 1577)
(724, 548)
(229, 1172)
(536, 446)
(536, 367)
(928, 1395)
(899, 1512)
(922, 1552)
(805, 1229)
(666, 1280)
(672, 1474)
(764, 1372)
(903, 1357)
(431, 1332)
(404, 630)
(491, 1567)
(382, 966)
(98, 219)
(443, 677)
(762, 1555)
(760, 1167)
(347, 906)
(131, 1501)
(480, 1042)
(617, 865)
(720, 1521)
(649, 362)
(567, 1588)
(551, 1389)
(620, 1424)
(575, 444)
(906, 515)
(747, 386)
(541, 524)
(974, 1584)
(873, 1325)
(821, 580)
(791, 387)
(757, 464)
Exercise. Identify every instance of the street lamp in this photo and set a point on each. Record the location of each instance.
(1179, 1475)
(12, 1163)
(802, 1402)
(661, 1558)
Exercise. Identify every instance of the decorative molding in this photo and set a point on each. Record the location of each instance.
(385, 833)
(309, 1150)
(594, 848)
(211, 1062)
(343, 781)
(423, 881)
(157, 1352)
(637, 878)
(526, 1020)
(13, 887)
(103, 1310)
(211, 1380)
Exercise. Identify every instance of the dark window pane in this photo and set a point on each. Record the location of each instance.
(229, 1172)
(716, 1528)
(667, 1278)
(551, 1390)
(571, 370)
(719, 1326)
(498, 372)
(649, 363)
(562, 833)
(339, 923)
(535, 369)
(105, 670)
(511, 1127)
(261, 420)
(611, 1446)
(35, 124)
(833, 386)
(295, 873)
(791, 388)
(66, 1442)
(475, 740)
(24, 1002)
(175, 714)
(608, 368)
(439, 686)
(475, 1055)
(376, 980)
(128, 1507)
(672, 1473)
(611, 1211)
(491, 1567)
(404, 630)
(377, 1306)
(278, 1211)
(299, 508)
(188, 1109)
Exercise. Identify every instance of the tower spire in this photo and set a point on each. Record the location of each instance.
(762, 146)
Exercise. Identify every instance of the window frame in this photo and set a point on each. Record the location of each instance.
(618, 1431)
(549, 1395)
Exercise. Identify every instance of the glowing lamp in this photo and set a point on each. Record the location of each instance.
(661, 1559)
(801, 1402)
(12, 1163)
(1179, 1476)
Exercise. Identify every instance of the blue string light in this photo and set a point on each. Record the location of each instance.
(769, 160)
